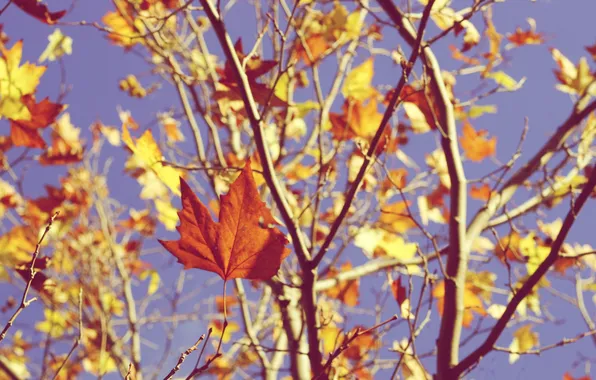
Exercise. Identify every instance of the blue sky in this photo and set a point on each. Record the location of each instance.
(96, 66)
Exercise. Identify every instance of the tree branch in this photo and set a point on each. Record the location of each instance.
(527, 287)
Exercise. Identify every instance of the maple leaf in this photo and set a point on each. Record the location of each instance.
(474, 143)
(254, 67)
(26, 132)
(526, 37)
(16, 81)
(125, 34)
(358, 120)
(148, 156)
(573, 79)
(40, 11)
(241, 245)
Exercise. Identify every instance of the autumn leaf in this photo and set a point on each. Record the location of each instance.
(504, 80)
(358, 120)
(58, 45)
(26, 132)
(39, 10)
(347, 292)
(357, 85)
(524, 339)
(472, 302)
(146, 151)
(418, 109)
(66, 144)
(592, 50)
(568, 376)
(16, 81)
(317, 46)
(481, 193)
(475, 145)
(507, 248)
(573, 79)
(525, 37)
(399, 291)
(243, 244)
(397, 217)
(254, 67)
(126, 28)
(228, 331)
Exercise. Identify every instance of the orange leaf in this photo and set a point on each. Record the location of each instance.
(317, 46)
(39, 10)
(525, 37)
(24, 132)
(419, 109)
(358, 120)
(347, 292)
(475, 145)
(460, 56)
(396, 215)
(243, 244)
(482, 193)
(568, 376)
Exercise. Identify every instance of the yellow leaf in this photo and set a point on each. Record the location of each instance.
(154, 280)
(395, 246)
(166, 214)
(505, 80)
(524, 339)
(16, 81)
(58, 45)
(125, 34)
(146, 150)
(281, 88)
(535, 253)
(358, 82)
(217, 327)
(55, 323)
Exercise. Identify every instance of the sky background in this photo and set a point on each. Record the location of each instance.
(96, 66)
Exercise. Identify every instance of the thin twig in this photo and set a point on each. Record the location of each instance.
(32, 272)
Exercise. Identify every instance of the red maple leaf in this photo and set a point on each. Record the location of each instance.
(243, 244)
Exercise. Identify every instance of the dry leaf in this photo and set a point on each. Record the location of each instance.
(243, 244)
